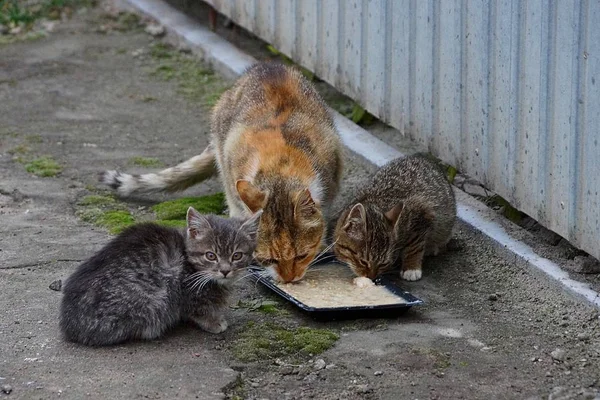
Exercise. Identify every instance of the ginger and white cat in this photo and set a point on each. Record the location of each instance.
(275, 147)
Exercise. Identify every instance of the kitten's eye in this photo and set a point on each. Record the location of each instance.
(301, 257)
(237, 256)
(210, 256)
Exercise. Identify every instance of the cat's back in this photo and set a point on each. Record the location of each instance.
(414, 175)
(136, 248)
(129, 289)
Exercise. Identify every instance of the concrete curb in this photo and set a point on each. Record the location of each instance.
(231, 62)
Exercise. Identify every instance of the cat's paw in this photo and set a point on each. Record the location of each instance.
(362, 282)
(213, 325)
(411, 274)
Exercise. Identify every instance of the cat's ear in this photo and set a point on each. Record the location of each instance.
(254, 198)
(394, 213)
(250, 227)
(197, 224)
(305, 206)
(355, 225)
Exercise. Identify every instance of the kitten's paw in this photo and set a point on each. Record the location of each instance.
(213, 325)
(362, 282)
(411, 274)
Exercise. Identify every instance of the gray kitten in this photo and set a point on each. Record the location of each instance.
(149, 278)
(406, 211)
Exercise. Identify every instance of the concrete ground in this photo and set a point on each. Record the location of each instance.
(88, 99)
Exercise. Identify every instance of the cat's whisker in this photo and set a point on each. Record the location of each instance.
(243, 277)
(322, 254)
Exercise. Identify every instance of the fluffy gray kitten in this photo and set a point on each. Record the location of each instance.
(149, 278)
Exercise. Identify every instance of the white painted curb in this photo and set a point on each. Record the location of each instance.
(232, 62)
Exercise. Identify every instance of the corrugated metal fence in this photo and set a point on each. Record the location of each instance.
(504, 90)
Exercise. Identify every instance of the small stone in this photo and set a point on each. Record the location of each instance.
(6, 389)
(137, 53)
(583, 336)
(378, 373)
(363, 389)
(548, 374)
(16, 30)
(155, 30)
(330, 366)
(286, 370)
(56, 285)
(493, 297)
(49, 26)
(319, 364)
(558, 355)
(533, 359)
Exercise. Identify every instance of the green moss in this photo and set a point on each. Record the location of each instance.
(195, 81)
(177, 209)
(20, 149)
(172, 223)
(34, 138)
(43, 166)
(90, 215)
(97, 200)
(115, 221)
(451, 173)
(270, 340)
(149, 99)
(236, 390)
(146, 162)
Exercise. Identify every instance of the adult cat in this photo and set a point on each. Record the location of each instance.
(276, 148)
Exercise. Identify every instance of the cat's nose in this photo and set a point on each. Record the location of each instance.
(225, 273)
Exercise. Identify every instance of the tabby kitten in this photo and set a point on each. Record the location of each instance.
(276, 149)
(406, 211)
(150, 277)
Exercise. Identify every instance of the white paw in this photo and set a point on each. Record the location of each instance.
(214, 326)
(362, 282)
(411, 274)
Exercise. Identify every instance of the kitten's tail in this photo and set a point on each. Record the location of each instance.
(173, 179)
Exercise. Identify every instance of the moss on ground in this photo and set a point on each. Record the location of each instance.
(43, 167)
(97, 200)
(112, 220)
(262, 341)
(195, 81)
(20, 149)
(146, 162)
(177, 209)
(115, 221)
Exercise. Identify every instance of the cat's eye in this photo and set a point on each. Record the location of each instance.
(301, 257)
(210, 256)
(237, 256)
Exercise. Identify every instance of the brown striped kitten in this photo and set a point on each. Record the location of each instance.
(406, 211)
(275, 148)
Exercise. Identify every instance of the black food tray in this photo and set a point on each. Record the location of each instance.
(379, 311)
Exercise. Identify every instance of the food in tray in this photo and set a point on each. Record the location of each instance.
(331, 286)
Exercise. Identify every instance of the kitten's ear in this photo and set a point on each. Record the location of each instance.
(254, 198)
(355, 225)
(305, 205)
(250, 227)
(394, 213)
(197, 224)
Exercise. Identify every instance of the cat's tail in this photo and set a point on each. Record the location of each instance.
(173, 179)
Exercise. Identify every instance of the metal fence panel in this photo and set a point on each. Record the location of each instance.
(505, 90)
